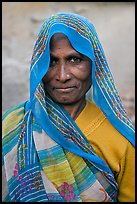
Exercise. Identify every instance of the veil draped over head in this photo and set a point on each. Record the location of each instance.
(84, 39)
(50, 145)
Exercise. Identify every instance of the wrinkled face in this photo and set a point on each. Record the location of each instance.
(69, 75)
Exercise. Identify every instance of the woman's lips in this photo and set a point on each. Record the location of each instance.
(65, 90)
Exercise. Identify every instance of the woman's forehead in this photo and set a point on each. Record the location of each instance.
(58, 36)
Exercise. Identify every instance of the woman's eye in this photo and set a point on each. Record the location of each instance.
(75, 60)
(53, 62)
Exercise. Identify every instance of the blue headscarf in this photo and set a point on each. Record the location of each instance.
(83, 37)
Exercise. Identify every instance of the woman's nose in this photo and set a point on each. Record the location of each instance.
(63, 73)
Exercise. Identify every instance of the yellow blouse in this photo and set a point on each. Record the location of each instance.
(112, 147)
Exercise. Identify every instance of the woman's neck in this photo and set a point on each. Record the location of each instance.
(75, 109)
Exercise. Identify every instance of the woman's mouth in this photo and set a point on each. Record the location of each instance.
(66, 89)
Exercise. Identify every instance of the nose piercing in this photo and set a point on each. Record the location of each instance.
(68, 76)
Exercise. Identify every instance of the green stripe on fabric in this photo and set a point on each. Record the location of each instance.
(83, 174)
(10, 136)
(11, 121)
(51, 156)
(21, 105)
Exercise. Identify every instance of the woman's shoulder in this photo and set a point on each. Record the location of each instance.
(14, 110)
(100, 129)
(12, 118)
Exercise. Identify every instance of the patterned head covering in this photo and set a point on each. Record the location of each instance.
(83, 37)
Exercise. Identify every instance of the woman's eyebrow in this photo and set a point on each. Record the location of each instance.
(75, 54)
(71, 54)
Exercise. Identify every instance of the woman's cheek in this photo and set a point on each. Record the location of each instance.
(49, 76)
(81, 74)
(83, 71)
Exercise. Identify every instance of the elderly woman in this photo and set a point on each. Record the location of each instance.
(73, 140)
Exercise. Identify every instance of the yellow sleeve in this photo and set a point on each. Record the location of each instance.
(126, 176)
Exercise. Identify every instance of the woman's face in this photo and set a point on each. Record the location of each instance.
(69, 75)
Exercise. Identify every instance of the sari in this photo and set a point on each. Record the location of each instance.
(49, 158)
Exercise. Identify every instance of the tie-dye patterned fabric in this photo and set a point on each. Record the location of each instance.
(45, 155)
